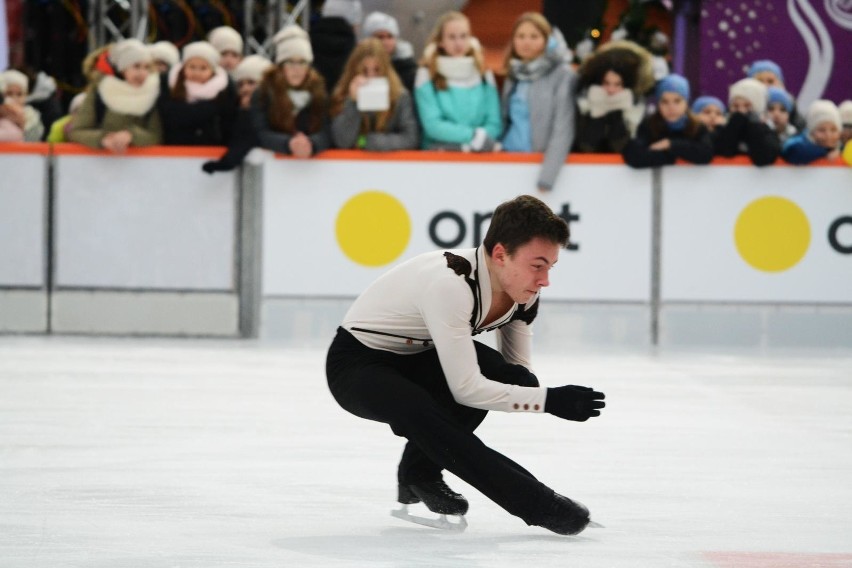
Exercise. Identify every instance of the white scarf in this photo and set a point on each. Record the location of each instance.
(122, 97)
(200, 91)
(460, 71)
(299, 98)
(600, 103)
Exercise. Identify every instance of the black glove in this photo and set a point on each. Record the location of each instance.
(217, 166)
(574, 403)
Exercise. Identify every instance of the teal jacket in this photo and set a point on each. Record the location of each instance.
(449, 117)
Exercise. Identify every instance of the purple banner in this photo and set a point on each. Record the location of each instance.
(810, 41)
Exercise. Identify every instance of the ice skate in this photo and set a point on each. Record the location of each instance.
(564, 516)
(438, 498)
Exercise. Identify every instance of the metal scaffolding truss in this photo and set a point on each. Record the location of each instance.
(114, 20)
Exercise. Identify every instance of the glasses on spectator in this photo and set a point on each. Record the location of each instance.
(296, 63)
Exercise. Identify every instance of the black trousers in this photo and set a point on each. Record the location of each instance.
(410, 394)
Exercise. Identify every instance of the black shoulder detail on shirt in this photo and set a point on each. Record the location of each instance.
(526, 315)
(458, 264)
(461, 266)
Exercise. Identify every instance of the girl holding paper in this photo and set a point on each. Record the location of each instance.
(370, 108)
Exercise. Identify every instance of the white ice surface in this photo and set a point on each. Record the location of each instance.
(142, 453)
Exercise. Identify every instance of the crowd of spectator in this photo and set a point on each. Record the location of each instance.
(354, 83)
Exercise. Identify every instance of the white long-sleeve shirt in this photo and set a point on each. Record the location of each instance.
(425, 303)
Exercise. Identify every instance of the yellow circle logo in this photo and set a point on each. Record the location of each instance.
(772, 234)
(373, 228)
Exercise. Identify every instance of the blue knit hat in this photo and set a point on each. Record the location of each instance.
(673, 83)
(705, 101)
(766, 65)
(779, 95)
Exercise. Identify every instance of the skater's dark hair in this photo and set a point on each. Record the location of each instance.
(521, 220)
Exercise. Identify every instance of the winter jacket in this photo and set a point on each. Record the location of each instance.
(114, 105)
(801, 150)
(280, 141)
(551, 115)
(697, 149)
(450, 116)
(401, 132)
(198, 123)
(746, 134)
(332, 41)
(243, 139)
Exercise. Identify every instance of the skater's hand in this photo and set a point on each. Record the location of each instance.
(572, 402)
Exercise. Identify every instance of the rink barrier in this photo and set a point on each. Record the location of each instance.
(178, 252)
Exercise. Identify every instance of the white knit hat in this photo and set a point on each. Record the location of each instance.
(292, 42)
(226, 38)
(379, 22)
(166, 52)
(14, 77)
(753, 91)
(349, 10)
(128, 52)
(202, 49)
(251, 67)
(845, 109)
(823, 111)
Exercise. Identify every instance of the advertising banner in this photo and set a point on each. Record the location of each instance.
(746, 234)
(332, 226)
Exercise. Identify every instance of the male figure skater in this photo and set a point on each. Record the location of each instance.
(405, 355)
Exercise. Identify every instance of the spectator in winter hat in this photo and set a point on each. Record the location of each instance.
(821, 139)
(710, 111)
(778, 108)
(229, 43)
(198, 100)
(290, 107)
(11, 119)
(767, 72)
(164, 55)
(333, 37)
(672, 132)
(15, 90)
(385, 28)
(745, 131)
(845, 109)
(248, 76)
(119, 110)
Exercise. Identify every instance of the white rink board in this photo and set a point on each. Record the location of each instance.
(22, 220)
(144, 223)
(700, 261)
(301, 256)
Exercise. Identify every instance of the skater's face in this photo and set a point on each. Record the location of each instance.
(527, 270)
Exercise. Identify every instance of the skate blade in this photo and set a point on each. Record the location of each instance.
(594, 525)
(442, 522)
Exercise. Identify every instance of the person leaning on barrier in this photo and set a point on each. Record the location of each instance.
(671, 133)
(290, 107)
(370, 108)
(745, 131)
(538, 95)
(11, 119)
(119, 109)
(247, 75)
(821, 138)
(198, 100)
